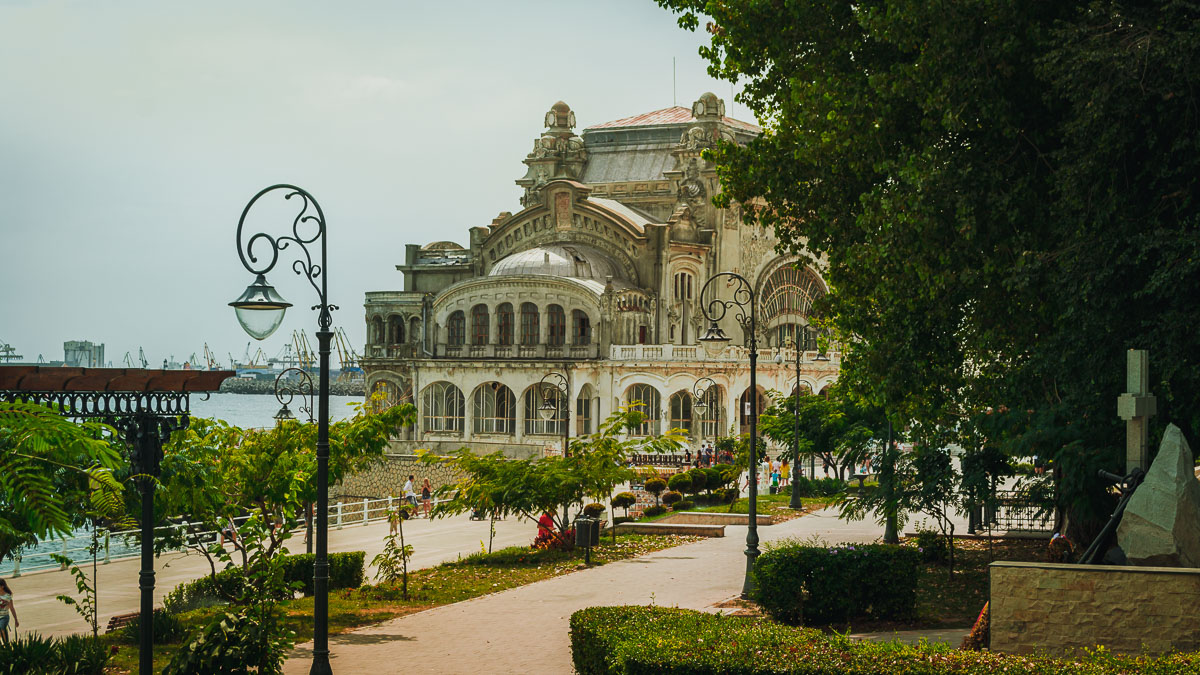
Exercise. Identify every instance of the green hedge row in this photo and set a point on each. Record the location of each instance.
(345, 571)
(658, 640)
(815, 585)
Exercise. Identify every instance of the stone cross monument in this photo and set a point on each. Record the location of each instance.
(1136, 407)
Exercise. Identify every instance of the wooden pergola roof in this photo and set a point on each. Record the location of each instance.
(53, 379)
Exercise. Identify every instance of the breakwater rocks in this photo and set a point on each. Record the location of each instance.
(245, 385)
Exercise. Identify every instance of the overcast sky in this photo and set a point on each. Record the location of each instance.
(133, 133)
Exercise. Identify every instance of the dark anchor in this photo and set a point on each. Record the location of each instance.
(1094, 555)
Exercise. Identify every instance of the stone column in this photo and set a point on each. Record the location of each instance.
(1136, 407)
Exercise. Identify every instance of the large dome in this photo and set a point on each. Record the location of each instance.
(559, 260)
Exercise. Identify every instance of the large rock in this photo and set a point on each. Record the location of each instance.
(1161, 525)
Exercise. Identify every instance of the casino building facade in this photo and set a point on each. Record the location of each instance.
(596, 276)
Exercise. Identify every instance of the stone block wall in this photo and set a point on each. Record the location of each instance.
(388, 479)
(1055, 608)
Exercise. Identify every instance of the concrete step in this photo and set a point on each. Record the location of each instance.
(660, 527)
(708, 518)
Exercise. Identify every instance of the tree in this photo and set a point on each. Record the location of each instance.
(837, 428)
(988, 187)
(53, 472)
(530, 487)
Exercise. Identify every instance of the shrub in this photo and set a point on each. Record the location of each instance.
(624, 500)
(655, 486)
(654, 511)
(345, 571)
(699, 480)
(34, 654)
(671, 497)
(683, 505)
(167, 628)
(617, 520)
(593, 510)
(725, 476)
(932, 546)
(554, 541)
(246, 641)
(817, 586)
(651, 640)
(680, 482)
(729, 495)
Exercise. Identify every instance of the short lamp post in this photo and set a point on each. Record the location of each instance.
(287, 388)
(554, 390)
(260, 311)
(701, 392)
(794, 502)
(744, 302)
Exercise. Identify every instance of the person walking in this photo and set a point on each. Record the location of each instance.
(783, 473)
(7, 610)
(426, 496)
(409, 495)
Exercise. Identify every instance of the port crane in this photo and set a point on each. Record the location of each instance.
(351, 363)
(305, 357)
(128, 361)
(210, 359)
(142, 358)
(8, 352)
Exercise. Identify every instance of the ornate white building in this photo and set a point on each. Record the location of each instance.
(596, 277)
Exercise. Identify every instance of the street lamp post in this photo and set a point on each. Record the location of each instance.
(286, 390)
(556, 386)
(744, 301)
(700, 394)
(260, 310)
(794, 502)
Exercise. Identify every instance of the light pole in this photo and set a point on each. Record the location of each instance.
(744, 301)
(794, 502)
(286, 390)
(700, 396)
(260, 310)
(556, 386)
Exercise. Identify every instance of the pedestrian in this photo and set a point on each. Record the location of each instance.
(426, 495)
(409, 494)
(687, 455)
(784, 473)
(545, 525)
(7, 610)
(230, 532)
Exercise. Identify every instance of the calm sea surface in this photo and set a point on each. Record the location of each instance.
(243, 410)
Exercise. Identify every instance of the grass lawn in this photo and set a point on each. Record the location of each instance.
(473, 576)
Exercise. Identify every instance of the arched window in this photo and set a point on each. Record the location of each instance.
(651, 404)
(805, 389)
(683, 285)
(494, 409)
(414, 329)
(395, 330)
(534, 424)
(583, 411)
(581, 328)
(711, 414)
(479, 325)
(789, 293)
(504, 324)
(444, 407)
(456, 329)
(795, 334)
(529, 323)
(680, 405)
(558, 326)
(744, 408)
(376, 330)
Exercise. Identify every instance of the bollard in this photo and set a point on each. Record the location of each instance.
(339, 515)
(17, 566)
(106, 546)
(366, 512)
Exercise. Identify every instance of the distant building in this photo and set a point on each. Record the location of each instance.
(83, 354)
(597, 276)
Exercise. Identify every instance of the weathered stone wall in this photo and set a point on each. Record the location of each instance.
(1053, 607)
(388, 478)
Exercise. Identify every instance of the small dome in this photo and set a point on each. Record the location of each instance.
(442, 246)
(560, 260)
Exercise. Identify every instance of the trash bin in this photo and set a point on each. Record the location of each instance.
(587, 532)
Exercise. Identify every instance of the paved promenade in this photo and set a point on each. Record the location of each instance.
(524, 630)
(433, 542)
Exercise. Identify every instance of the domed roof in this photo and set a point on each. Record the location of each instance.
(559, 260)
(442, 246)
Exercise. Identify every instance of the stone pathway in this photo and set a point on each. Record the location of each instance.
(525, 629)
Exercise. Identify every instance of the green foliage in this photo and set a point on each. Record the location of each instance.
(987, 187)
(624, 500)
(530, 487)
(819, 487)
(653, 511)
(838, 428)
(235, 642)
(32, 654)
(391, 564)
(345, 571)
(683, 505)
(680, 482)
(168, 628)
(52, 471)
(817, 585)
(594, 510)
(85, 606)
(655, 486)
(932, 546)
(654, 640)
(671, 497)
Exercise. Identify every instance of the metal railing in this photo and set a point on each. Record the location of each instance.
(345, 512)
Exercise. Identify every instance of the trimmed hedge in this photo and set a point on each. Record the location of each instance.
(656, 640)
(345, 571)
(816, 585)
(819, 487)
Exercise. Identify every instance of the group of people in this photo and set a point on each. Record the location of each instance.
(706, 456)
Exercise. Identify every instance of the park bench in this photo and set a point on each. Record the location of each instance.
(119, 621)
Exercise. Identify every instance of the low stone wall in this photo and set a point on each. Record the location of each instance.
(707, 518)
(1056, 608)
(388, 478)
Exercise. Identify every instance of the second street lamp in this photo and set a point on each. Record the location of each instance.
(744, 302)
(260, 310)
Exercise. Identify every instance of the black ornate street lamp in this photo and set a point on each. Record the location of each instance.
(553, 389)
(260, 310)
(700, 394)
(287, 388)
(744, 301)
(794, 502)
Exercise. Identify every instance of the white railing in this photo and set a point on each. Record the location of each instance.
(669, 352)
(344, 513)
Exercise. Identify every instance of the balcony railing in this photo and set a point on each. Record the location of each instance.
(695, 353)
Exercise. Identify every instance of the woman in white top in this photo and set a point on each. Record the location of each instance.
(6, 609)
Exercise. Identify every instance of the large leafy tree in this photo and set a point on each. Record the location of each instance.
(54, 473)
(837, 428)
(1002, 193)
